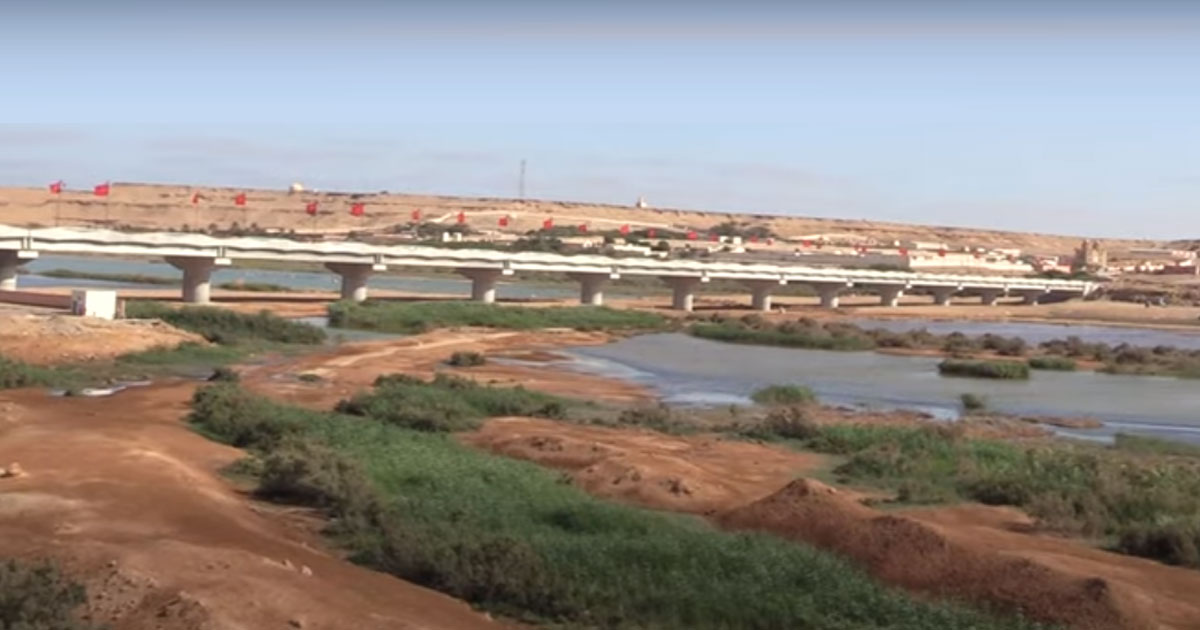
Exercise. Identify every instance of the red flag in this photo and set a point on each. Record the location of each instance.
(806, 243)
(462, 217)
(311, 208)
(583, 227)
(358, 209)
(195, 198)
(625, 229)
(712, 236)
(101, 190)
(753, 238)
(56, 187)
(416, 215)
(547, 224)
(692, 235)
(650, 233)
(903, 251)
(942, 253)
(1012, 258)
(240, 199)
(503, 221)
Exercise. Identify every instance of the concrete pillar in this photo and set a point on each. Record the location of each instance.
(483, 283)
(9, 261)
(890, 294)
(591, 287)
(1031, 296)
(829, 292)
(760, 293)
(354, 278)
(989, 296)
(942, 295)
(683, 291)
(197, 272)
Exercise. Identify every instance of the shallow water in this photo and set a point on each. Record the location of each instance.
(690, 371)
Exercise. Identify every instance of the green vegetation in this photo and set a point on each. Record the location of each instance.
(1154, 446)
(466, 359)
(973, 402)
(14, 374)
(129, 278)
(185, 354)
(511, 537)
(799, 334)
(782, 423)
(1126, 359)
(784, 395)
(1148, 503)
(1062, 364)
(224, 326)
(418, 317)
(37, 596)
(984, 369)
(257, 287)
(447, 403)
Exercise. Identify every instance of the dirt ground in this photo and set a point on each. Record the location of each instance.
(353, 367)
(131, 499)
(170, 206)
(44, 339)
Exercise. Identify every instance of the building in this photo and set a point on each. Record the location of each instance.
(1090, 256)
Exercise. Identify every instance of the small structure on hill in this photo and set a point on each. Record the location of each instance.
(1090, 256)
(641, 203)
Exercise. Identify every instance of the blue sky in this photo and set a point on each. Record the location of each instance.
(1070, 117)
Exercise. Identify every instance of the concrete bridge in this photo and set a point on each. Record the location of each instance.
(196, 255)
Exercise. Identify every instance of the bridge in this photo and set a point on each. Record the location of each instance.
(196, 255)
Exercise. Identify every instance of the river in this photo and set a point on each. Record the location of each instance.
(686, 370)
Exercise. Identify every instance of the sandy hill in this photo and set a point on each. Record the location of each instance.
(153, 206)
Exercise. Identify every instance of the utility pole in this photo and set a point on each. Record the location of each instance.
(521, 185)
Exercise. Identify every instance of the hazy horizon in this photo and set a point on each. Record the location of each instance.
(1044, 117)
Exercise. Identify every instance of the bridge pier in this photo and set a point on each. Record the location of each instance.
(10, 260)
(683, 290)
(942, 295)
(889, 294)
(197, 275)
(354, 278)
(591, 286)
(1031, 296)
(760, 293)
(988, 297)
(829, 292)
(483, 282)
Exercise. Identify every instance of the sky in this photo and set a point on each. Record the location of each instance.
(1054, 116)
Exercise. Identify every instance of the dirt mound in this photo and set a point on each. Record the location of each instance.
(698, 474)
(49, 339)
(918, 557)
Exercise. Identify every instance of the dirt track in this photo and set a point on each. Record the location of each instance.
(131, 498)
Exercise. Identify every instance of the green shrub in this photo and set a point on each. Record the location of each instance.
(14, 374)
(224, 326)
(984, 369)
(784, 395)
(235, 416)
(658, 417)
(798, 337)
(447, 403)
(511, 537)
(1155, 446)
(257, 287)
(1062, 364)
(37, 596)
(418, 317)
(306, 472)
(224, 375)
(128, 278)
(1172, 543)
(466, 359)
(973, 402)
(787, 423)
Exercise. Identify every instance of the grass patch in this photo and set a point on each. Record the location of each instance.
(128, 278)
(224, 326)
(447, 403)
(814, 338)
(418, 317)
(973, 402)
(784, 395)
(466, 359)
(1010, 370)
(1080, 489)
(1061, 364)
(511, 537)
(256, 287)
(1154, 446)
(38, 596)
(14, 374)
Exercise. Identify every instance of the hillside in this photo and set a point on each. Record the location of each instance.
(151, 206)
